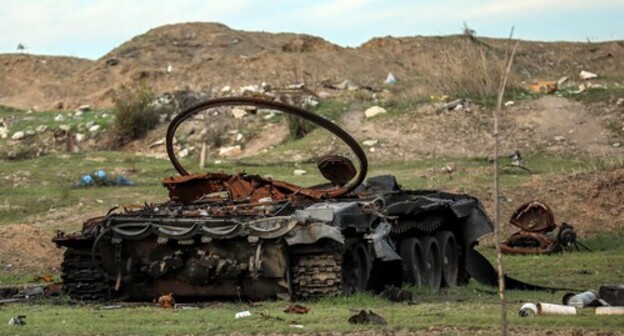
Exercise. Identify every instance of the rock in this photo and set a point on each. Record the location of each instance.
(94, 128)
(105, 115)
(370, 143)
(78, 113)
(18, 135)
(374, 111)
(587, 75)
(347, 85)
(458, 107)
(112, 61)
(230, 150)
(372, 150)
(90, 124)
(65, 127)
(509, 103)
(562, 80)
(80, 137)
(59, 118)
(620, 102)
(157, 143)
(84, 108)
(238, 113)
(183, 153)
(226, 89)
(559, 138)
(269, 116)
(29, 132)
(41, 128)
(452, 104)
(616, 144)
(239, 137)
(299, 172)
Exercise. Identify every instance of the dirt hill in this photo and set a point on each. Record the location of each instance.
(206, 56)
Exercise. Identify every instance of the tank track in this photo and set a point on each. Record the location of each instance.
(316, 275)
(428, 224)
(84, 279)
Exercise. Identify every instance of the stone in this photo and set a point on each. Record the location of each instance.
(458, 107)
(559, 138)
(29, 132)
(616, 145)
(372, 150)
(80, 137)
(370, 143)
(183, 153)
(299, 172)
(226, 89)
(229, 150)
(238, 113)
(239, 137)
(84, 108)
(620, 102)
(587, 75)
(59, 118)
(90, 124)
(65, 127)
(18, 135)
(157, 143)
(94, 128)
(374, 111)
(509, 103)
(41, 128)
(562, 80)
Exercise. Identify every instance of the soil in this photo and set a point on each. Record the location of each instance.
(207, 56)
(29, 249)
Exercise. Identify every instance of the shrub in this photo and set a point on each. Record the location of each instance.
(135, 115)
(471, 69)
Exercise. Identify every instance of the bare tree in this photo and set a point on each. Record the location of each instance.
(21, 47)
(499, 256)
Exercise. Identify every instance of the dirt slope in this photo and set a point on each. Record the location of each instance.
(202, 56)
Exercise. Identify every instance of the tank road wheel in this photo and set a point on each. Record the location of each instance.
(413, 259)
(433, 263)
(448, 250)
(356, 266)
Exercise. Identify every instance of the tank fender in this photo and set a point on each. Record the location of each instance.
(311, 232)
(463, 207)
(477, 224)
(382, 245)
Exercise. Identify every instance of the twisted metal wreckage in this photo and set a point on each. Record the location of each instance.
(236, 235)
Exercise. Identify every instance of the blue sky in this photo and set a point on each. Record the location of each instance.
(90, 29)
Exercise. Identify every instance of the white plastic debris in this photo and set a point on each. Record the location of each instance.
(587, 75)
(242, 314)
(554, 309)
(609, 310)
(528, 309)
(299, 172)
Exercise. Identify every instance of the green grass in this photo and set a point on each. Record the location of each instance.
(458, 311)
(610, 94)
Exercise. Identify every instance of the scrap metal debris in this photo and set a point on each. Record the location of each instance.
(612, 294)
(537, 232)
(166, 301)
(296, 309)
(364, 317)
(18, 320)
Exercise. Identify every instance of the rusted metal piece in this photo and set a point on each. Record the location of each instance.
(536, 236)
(533, 216)
(291, 110)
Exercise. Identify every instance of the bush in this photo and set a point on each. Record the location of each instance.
(134, 113)
(471, 70)
(298, 127)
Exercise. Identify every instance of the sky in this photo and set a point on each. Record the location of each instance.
(90, 29)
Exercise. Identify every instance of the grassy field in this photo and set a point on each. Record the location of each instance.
(33, 189)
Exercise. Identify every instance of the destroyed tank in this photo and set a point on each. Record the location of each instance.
(247, 236)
